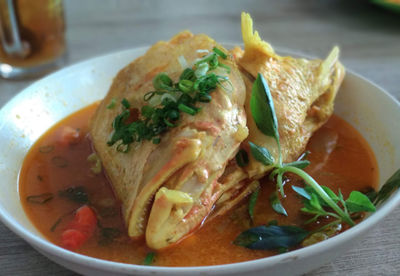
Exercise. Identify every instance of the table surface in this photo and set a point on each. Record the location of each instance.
(369, 38)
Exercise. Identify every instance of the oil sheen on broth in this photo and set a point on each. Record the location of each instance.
(340, 158)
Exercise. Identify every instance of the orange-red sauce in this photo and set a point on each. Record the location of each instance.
(349, 166)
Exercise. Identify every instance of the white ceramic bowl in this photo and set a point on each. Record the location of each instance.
(28, 115)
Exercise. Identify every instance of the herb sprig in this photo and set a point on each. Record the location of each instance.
(263, 112)
(168, 101)
(319, 201)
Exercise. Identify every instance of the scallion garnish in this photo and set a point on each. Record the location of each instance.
(125, 103)
(149, 259)
(186, 86)
(220, 53)
(167, 101)
(162, 82)
(112, 103)
(40, 199)
(186, 109)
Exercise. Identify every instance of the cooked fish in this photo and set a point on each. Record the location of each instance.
(303, 91)
(168, 189)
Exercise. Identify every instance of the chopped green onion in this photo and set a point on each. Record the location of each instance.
(214, 62)
(96, 163)
(112, 103)
(162, 82)
(155, 101)
(156, 140)
(54, 226)
(149, 258)
(125, 103)
(162, 111)
(40, 199)
(147, 111)
(59, 161)
(187, 109)
(205, 60)
(168, 123)
(204, 97)
(148, 95)
(46, 149)
(220, 53)
(187, 74)
(226, 67)
(167, 96)
(173, 115)
(185, 86)
(201, 70)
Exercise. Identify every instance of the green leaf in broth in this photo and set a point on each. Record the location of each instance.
(271, 237)
(276, 204)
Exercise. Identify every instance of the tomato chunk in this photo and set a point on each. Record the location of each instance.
(73, 239)
(80, 229)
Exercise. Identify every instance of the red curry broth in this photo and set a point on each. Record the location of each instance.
(340, 158)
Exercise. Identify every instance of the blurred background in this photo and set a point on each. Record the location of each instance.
(367, 33)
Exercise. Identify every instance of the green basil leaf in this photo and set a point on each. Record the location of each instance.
(271, 237)
(276, 204)
(358, 202)
(388, 188)
(261, 154)
(262, 108)
(302, 192)
(301, 164)
(252, 202)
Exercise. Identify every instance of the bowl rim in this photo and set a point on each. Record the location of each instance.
(43, 245)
